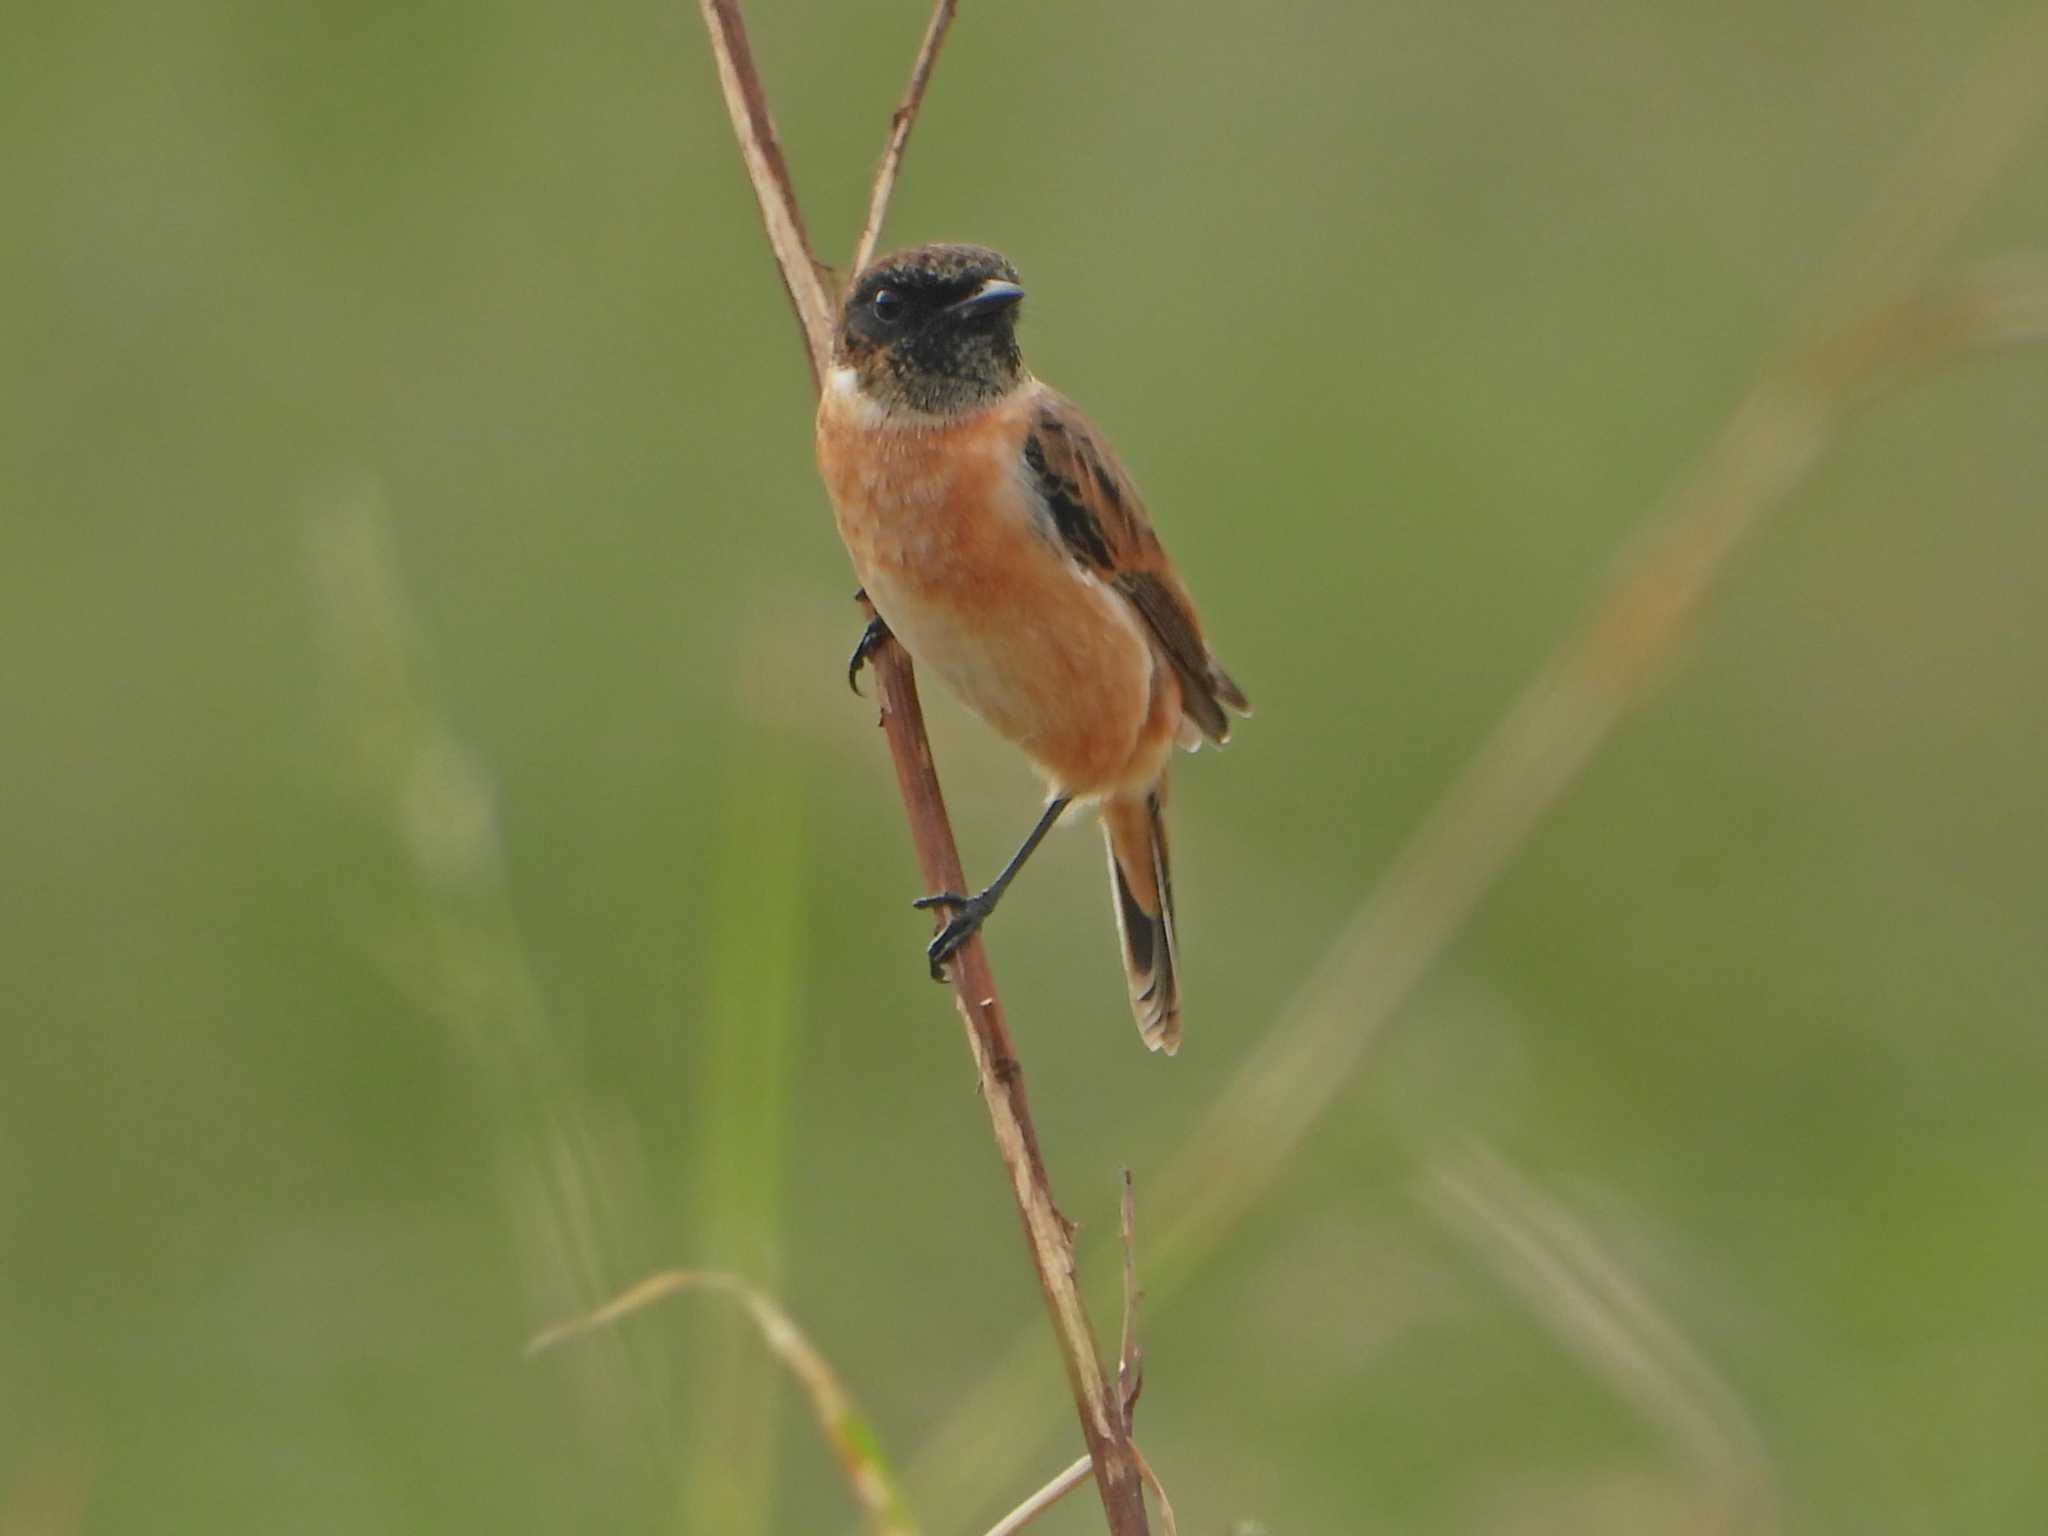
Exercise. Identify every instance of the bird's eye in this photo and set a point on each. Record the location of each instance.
(887, 306)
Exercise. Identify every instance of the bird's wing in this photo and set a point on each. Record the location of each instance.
(1095, 514)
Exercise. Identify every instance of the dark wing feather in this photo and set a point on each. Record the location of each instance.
(1174, 623)
(1099, 520)
(1082, 498)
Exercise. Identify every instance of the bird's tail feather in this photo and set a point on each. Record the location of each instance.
(1141, 882)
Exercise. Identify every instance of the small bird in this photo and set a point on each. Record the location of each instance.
(998, 538)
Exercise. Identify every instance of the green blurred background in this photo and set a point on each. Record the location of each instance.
(446, 877)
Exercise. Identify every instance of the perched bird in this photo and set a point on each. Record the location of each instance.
(998, 538)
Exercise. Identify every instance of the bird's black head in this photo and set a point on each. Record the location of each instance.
(934, 329)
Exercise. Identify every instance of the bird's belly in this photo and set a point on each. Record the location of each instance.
(1050, 657)
(1063, 674)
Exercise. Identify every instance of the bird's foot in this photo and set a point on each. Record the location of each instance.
(969, 913)
(871, 640)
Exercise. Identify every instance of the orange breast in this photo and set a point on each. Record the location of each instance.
(945, 538)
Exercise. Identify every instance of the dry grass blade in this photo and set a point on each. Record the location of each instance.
(1070, 1479)
(572, 1182)
(899, 134)
(768, 174)
(1130, 1365)
(1622, 647)
(1627, 642)
(1166, 1522)
(845, 1428)
(1952, 163)
(1599, 1312)
(1073, 1477)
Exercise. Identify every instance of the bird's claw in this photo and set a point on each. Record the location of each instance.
(871, 639)
(969, 912)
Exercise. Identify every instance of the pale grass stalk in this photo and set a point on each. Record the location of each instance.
(1068, 1480)
(1166, 1521)
(1629, 640)
(1608, 1322)
(1072, 1478)
(899, 135)
(740, 1114)
(571, 1178)
(1130, 1361)
(839, 1418)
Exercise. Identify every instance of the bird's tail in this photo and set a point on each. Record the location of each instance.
(1141, 881)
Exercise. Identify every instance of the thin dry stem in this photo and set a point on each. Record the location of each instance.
(1607, 1320)
(1626, 643)
(838, 1418)
(768, 174)
(1167, 1526)
(1130, 1363)
(1002, 1080)
(899, 135)
(1072, 1478)
(571, 1180)
(1002, 1090)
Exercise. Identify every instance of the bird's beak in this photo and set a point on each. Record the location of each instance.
(991, 297)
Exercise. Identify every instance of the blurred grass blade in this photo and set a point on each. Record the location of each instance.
(1070, 1479)
(1626, 643)
(839, 1418)
(570, 1175)
(1607, 1321)
(739, 1106)
(1145, 1471)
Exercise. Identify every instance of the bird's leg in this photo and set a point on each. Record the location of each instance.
(871, 640)
(969, 912)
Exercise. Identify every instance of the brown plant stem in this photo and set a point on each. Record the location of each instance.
(1103, 1427)
(768, 173)
(1046, 1232)
(899, 134)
